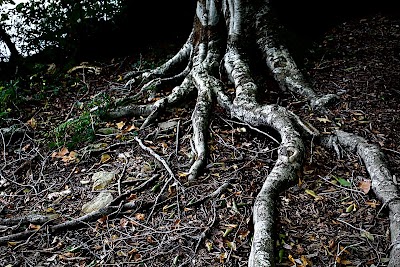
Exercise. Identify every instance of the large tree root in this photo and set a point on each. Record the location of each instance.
(202, 54)
(382, 183)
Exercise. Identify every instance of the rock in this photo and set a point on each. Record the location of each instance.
(102, 179)
(102, 200)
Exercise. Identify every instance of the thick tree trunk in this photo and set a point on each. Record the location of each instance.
(223, 31)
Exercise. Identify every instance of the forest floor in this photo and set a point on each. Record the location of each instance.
(330, 217)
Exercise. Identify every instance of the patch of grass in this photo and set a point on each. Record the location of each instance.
(8, 95)
(75, 131)
(81, 130)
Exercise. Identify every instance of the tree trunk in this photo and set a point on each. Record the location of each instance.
(224, 31)
(14, 54)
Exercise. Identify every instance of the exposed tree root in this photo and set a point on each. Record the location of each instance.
(382, 183)
(202, 54)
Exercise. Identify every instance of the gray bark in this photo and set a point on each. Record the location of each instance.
(222, 30)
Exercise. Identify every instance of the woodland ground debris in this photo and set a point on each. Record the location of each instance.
(203, 214)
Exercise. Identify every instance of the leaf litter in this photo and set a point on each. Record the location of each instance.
(330, 218)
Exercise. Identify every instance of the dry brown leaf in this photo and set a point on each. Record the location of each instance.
(32, 123)
(372, 203)
(123, 222)
(305, 261)
(72, 156)
(139, 216)
(130, 128)
(132, 197)
(150, 239)
(365, 186)
(103, 219)
(60, 153)
(137, 257)
(104, 158)
(34, 227)
(323, 120)
(120, 125)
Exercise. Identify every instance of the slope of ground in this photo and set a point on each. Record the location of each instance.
(329, 218)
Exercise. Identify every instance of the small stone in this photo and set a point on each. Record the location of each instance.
(102, 200)
(102, 179)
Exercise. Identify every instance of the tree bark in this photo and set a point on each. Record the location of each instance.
(224, 31)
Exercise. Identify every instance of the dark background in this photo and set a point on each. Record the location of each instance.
(149, 23)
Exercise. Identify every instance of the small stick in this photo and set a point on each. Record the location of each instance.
(253, 128)
(177, 138)
(216, 193)
(160, 159)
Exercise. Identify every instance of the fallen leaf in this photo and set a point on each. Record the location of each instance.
(130, 128)
(243, 234)
(342, 181)
(305, 261)
(12, 243)
(104, 158)
(290, 257)
(139, 216)
(365, 186)
(103, 219)
(120, 125)
(60, 153)
(222, 257)
(32, 122)
(231, 245)
(323, 120)
(209, 245)
(367, 235)
(313, 194)
(227, 231)
(351, 208)
(373, 203)
(121, 254)
(70, 157)
(137, 257)
(132, 197)
(34, 227)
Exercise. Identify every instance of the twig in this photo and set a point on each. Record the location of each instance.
(253, 128)
(158, 196)
(356, 228)
(143, 185)
(30, 236)
(391, 150)
(4, 148)
(344, 249)
(115, 205)
(204, 233)
(177, 137)
(160, 159)
(216, 193)
(121, 176)
(22, 185)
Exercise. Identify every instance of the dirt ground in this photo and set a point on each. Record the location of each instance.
(330, 217)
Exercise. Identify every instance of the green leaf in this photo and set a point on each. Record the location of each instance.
(342, 181)
(281, 254)
(367, 235)
(19, 7)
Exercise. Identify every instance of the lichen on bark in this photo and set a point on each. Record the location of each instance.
(222, 33)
